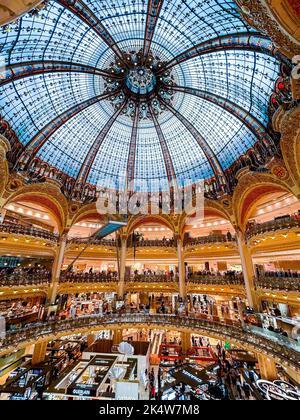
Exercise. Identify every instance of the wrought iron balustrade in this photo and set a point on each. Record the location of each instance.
(273, 226)
(161, 243)
(211, 239)
(289, 284)
(100, 242)
(152, 278)
(23, 278)
(28, 231)
(89, 278)
(209, 279)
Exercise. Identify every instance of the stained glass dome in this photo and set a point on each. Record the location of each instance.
(159, 91)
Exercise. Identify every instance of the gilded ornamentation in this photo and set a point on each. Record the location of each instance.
(258, 14)
(290, 142)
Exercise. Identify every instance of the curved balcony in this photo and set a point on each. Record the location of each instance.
(28, 231)
(23, 279)
(284, 350)
(211, 239)
(278, 281)
(210, 279)
(152, 278)
(273, 226)
(156, 243)
(100, 242)
(89, 278)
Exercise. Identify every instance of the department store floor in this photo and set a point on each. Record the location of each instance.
(152, 365)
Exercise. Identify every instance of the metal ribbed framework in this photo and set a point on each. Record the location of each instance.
(165, 150)
(33, 68)
(206, 149)
(245, 117)
(246, 40)
(79, 8)
(154, 9)
(89, 160)
(70, 101)
(43, 135)
(132, 150)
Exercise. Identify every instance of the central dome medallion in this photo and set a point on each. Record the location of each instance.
(141, 81)
(140, 84)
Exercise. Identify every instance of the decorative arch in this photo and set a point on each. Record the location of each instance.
(10, 10)
(45, 195)
(137, 221)
(88, 211)
(252, 187)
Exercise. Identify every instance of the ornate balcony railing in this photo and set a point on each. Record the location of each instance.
(226, 280)
(211, 239)
(273, 226)
(23, 279)
(28, 231)
(100, 242)
(161, 243)
(152, 278)
(89, 278)
(283, 349)
(288, 284)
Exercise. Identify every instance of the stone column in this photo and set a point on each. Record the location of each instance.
(181, 269)
(39, 353)
(121, 285)
(57, 267)
(248, 271)
(267, 367)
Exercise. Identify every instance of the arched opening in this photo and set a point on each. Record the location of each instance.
(34, 210)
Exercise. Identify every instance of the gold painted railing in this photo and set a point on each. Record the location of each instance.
(23, 279)
(288, 284)
(283, 349)
(28, 231)
(89, 278)
(234, 280)
(273, 226)
(152, 278)
(211, 239)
